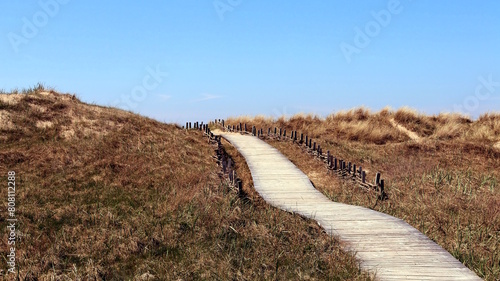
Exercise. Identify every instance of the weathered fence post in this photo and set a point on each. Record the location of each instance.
(363, 177)
(301, 138)
(314, 146)
(307, 140)
(377, 179)
(284, 133)
(354, 170)
(240, 186)
(310, 143)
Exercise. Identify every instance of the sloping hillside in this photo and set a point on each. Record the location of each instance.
(105, 194)
(446, 183)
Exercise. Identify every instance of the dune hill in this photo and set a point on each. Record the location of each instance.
(104, 194)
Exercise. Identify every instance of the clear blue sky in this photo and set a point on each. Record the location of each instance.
(234, 57)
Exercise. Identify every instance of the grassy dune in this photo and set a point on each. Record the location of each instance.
(446, 183)
(104, 194)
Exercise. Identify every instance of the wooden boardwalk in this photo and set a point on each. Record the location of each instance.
(384, 245)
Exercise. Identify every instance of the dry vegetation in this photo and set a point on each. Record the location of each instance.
(446, 184)
(104, 194)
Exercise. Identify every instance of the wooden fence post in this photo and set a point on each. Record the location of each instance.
(301, 138)
(240, 186)
(377, 179)
(363, 177)
(349, 166)
(307, 140)
(314, 146)
(335, 163)
(284, 133)
(354, 170)
(280, 132)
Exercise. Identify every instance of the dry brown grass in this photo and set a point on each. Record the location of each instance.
(104, 194)
(446, 185)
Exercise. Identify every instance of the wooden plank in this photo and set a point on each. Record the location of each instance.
(386, 246)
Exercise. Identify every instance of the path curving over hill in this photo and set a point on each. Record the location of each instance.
(385, 245)
(412, 135)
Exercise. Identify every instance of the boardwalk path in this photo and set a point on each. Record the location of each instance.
(388, 246)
